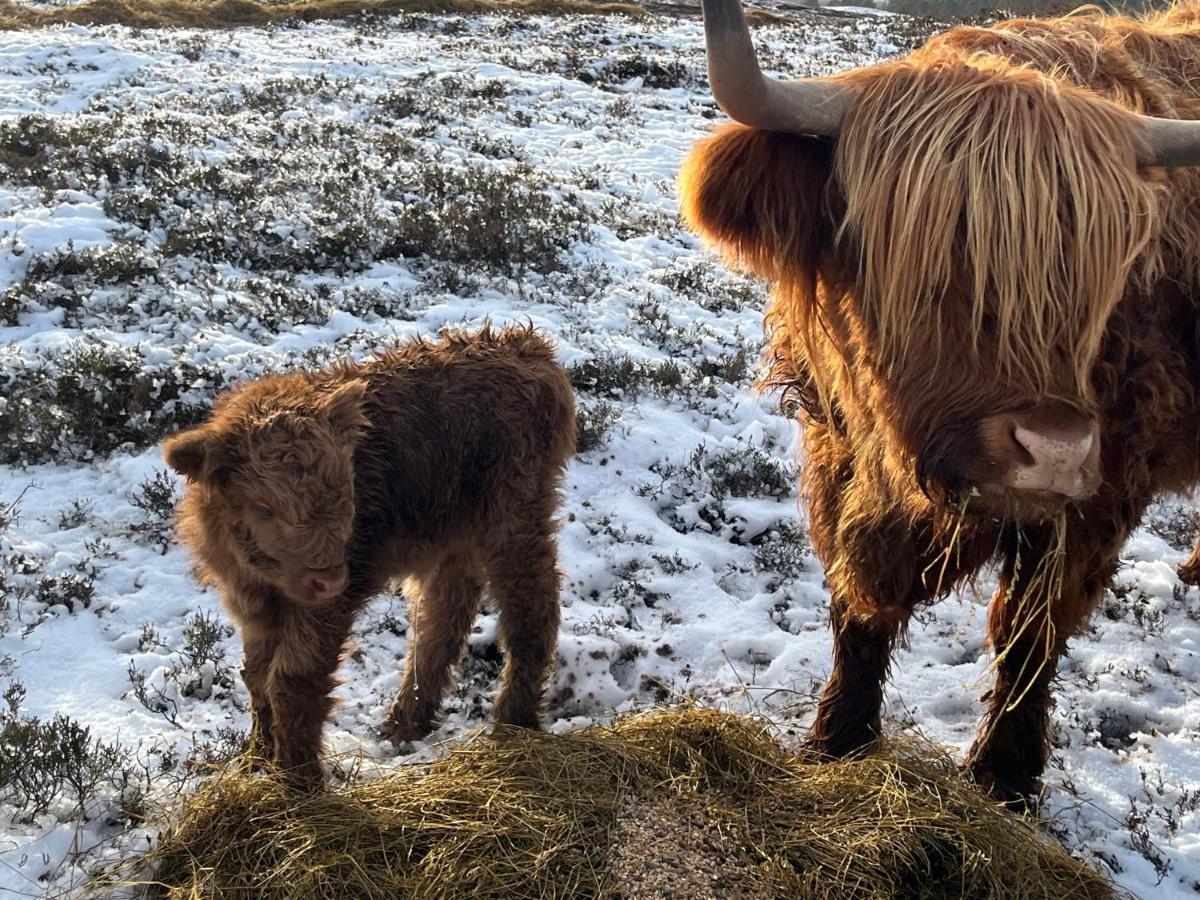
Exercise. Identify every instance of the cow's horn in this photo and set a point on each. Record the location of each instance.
(1170, 142)
(806, 106)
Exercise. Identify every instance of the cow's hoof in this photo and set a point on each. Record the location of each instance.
(831, 749)
(815, 751)
(511, 717)
(513, 729)
(260, 748)
(1020, 793)
(252, 761)
(304, 776)
(400, 730)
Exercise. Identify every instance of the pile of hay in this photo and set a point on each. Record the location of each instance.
(535, 815)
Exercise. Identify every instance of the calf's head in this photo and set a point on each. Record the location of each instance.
(275, 465)
(947, 238)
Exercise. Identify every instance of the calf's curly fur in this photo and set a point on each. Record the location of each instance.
(437, 462)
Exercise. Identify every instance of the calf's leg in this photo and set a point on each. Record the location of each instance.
(1189, 570)
(442, 606)
(258, 622)
(299, 682)
(524, 584)
(259, 641)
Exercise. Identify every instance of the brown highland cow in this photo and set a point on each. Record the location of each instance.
(985, 270)
(437, 462)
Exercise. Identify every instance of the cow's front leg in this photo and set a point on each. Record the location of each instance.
(891, 567)
(299, 684)
(1044, 598)
(848, 715)
(1012, 746)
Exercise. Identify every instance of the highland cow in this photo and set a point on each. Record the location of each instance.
(435, 462)
(985, 270)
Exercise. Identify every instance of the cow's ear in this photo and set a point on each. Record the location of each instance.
(760, 197)
(197, 454)
(344, 407)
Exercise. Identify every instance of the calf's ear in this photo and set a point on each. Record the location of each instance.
(195, 454)
(344, 407)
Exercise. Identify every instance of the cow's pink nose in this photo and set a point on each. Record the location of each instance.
(1060, 458)
(325, 584)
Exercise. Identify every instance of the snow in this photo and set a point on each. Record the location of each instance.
(861, 10)
(670, 586)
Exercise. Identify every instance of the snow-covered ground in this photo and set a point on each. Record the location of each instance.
(182, 210)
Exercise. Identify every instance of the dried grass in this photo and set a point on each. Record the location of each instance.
(233, 13)
(532, 815)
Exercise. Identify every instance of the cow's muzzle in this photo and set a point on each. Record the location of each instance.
(1048, 452)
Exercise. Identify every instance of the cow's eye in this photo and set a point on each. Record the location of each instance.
(263, 511)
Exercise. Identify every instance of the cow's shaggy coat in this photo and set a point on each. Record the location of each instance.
(978, 239)
(437, 462)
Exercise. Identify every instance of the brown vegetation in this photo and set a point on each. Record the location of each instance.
(437, 462)
(234, 13)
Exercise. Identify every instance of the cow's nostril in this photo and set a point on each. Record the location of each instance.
(1022, 439)
(1059, 452)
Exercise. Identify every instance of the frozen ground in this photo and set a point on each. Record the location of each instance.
(181, 210)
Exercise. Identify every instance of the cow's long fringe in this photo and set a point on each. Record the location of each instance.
(997, 162)
(1007, 188)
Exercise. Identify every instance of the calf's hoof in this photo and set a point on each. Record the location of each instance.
(1189, 573)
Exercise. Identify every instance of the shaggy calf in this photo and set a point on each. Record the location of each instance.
(436, 462)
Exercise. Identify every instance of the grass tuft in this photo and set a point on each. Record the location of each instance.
(235, 13)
